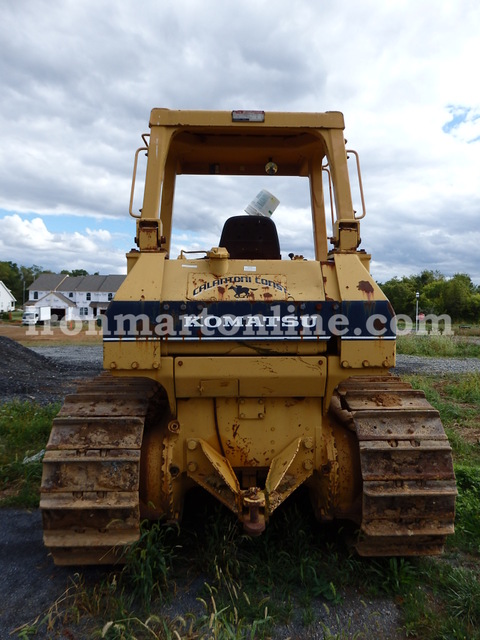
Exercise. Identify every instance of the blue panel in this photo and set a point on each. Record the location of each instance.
(244, 320)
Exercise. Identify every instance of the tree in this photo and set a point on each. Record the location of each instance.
(431, 297)
(401, 294)
(458, 296)
(18, 279)
(11, 276)
(75, 272)
(425, 278)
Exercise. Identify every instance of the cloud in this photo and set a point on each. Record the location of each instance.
(79, 80)
(29, 242)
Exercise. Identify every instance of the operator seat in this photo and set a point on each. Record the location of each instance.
(251, 238)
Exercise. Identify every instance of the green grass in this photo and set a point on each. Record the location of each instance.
(232, 586)
(457, 399)
(438, 346)
(244, 594)
(464, 390)
(24, 431)
(12, 316)
(467, 330)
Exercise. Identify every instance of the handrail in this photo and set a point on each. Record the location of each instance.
(184, 253)
(360, 186)
(132, 190)
(327, 171)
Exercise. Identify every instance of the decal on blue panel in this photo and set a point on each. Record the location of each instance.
(245, 320)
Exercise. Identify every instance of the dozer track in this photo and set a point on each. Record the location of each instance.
(406, 463)
(90, 484)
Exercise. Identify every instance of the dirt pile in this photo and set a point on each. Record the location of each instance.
(26, 375)
(18, 359)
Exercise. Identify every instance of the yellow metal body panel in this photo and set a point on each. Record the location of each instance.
(261, 376)
(219, 119)
(221, 444)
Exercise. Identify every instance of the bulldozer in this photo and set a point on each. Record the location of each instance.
(243, 371)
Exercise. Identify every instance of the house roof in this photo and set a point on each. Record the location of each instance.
(47, 282)
(111, 283)
(90, 283)
(64, 283)
(9, 293)
(71, 283)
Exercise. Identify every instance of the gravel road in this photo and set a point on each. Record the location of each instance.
(75, 355)
(418, 364)
(92, 356)
(31, 584)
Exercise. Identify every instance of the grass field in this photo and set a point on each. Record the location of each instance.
(439, 346)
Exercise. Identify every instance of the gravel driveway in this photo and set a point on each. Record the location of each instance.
(31, 583)
(75, 355)
(93, 356)
(418, 364)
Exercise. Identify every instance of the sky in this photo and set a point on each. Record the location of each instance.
(79, 78)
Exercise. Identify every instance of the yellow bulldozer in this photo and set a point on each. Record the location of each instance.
(245, 372)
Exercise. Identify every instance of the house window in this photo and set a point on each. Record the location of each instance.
(70, 295)
(89, 296)
(110, 296)
(83, 311)
(35, 295)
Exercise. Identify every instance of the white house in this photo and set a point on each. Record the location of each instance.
(73, 298)
(7, 300)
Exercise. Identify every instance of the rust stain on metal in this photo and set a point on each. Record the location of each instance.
(366, 287)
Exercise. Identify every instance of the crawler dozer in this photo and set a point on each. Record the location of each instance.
(243, 372)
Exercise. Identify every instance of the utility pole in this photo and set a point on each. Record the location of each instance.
(417, 295)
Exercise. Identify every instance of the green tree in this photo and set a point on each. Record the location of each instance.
(75, 272)
(458, 296)
(425, 278)
(18, 279)
(431, 297)
(11, 277)
(401, 294)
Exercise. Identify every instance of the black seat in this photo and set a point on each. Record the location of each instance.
(251, 238)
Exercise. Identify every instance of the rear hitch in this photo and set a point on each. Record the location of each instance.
(254, 519)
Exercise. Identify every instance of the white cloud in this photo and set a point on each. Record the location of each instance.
(79, 80)
(29, 242)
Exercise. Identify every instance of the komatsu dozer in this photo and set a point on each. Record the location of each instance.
(249, 374)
